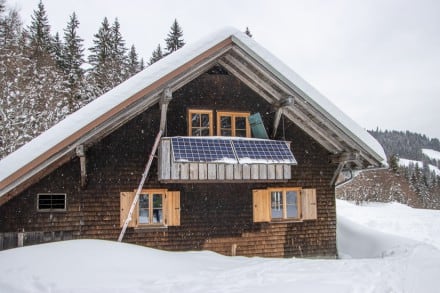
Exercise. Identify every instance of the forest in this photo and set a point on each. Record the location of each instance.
(45, 76)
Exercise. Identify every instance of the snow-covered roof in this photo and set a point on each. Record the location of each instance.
(63, 138)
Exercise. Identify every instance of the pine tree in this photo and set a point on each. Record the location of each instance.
(248, 32)
(41, 47)
(174, 41)
(73, 59)
(118, 57)
(100, 60)
(394, 163)
(157, 55)
(133, 62)
(57, 50)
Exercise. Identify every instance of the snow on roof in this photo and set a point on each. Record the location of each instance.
(85, 116)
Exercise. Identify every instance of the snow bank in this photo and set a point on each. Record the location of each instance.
(406, 163)
(373, 262)
(432, 154)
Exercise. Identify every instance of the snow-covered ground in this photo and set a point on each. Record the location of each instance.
(384, 248)
(406, 163)
(432, 154)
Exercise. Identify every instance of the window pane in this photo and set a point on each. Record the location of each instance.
(157, 208)
(292, 205)
(277, 205)
(240, 133)
(144, 204)
(205, 120)
(226, 132)
(240, 122)
(204, 132)
(195, 118)
(225, 122)
(196, 132)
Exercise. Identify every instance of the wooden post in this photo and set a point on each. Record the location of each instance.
(20, 239)
(166, 98)
(80, 152)
(279, 106)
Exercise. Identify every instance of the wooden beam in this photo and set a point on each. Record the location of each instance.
(288, 101)
(80, 152)
(165, 99)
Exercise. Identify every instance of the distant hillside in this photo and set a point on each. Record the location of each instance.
(413, 177)
(406, 144)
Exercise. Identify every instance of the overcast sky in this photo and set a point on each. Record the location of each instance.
(379, 61)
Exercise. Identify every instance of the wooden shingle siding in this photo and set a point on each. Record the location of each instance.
(213, 216)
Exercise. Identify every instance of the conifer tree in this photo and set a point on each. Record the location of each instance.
(57, 50)
(174, 41)
(73, 59)
(118, 57)
(133, 62)
(100, 59)
(41, 47)
(157, 55)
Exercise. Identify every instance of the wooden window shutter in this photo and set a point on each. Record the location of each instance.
(308, 206)
(126, 199)
(261, 203)
(172, 208)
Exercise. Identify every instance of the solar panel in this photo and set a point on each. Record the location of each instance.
(267, 151)
(193, 149)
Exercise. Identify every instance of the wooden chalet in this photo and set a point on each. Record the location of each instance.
(246, 161)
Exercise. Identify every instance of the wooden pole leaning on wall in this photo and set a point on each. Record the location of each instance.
(164, 101)
(141, 184)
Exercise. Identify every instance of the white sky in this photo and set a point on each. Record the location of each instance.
(377, 60)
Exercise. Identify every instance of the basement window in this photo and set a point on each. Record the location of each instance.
(51, 202)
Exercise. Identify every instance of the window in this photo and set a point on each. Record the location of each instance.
(50, 202)
(284, 204)
(155, 207)
(233, 124)
(150, 208)
(200, 123)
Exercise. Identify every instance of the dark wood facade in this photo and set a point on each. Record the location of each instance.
(215, 216)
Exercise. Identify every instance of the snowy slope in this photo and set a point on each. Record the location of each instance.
(373, 262)
(432, 154)
(406, 163)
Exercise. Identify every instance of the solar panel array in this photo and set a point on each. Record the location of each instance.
(273, 151)
(191, 149)
(196, 149)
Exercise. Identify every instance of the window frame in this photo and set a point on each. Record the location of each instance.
(50, 210)
(200, 111)
(170, 209)
(162, 193)
(284, 191)
(233, 116)
(307, 203)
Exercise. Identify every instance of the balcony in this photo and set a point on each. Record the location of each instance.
(220, 159)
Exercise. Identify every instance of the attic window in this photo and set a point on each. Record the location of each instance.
(49, 202)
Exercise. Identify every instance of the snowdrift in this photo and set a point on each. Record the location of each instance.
(372, 261)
